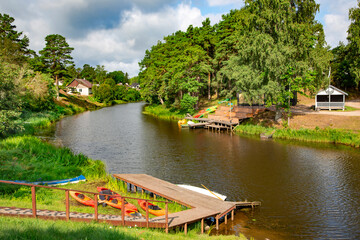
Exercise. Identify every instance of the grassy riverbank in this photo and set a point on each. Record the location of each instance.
(20, 228)
(326, 135)
(162, 112)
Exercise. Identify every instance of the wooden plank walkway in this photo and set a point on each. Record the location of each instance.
(202, 206)
(88, 217)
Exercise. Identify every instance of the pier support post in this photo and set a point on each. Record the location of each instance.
(225, 218)
(33, 197)
(185, 228)
(232, 215)
(202, 226)
(67, 205)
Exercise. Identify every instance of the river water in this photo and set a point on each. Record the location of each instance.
(307, 190)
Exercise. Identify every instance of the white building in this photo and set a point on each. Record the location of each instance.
(330, 98)
(81, 86)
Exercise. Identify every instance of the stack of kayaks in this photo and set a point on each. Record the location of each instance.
(201, 113)
(114, 200)
(153, 209)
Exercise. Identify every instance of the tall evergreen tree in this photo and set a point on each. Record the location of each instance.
(56, 56)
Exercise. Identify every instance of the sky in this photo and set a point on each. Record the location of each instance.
(116, 33)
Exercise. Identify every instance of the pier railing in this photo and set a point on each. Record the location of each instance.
(67, 203)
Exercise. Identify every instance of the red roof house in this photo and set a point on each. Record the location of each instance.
(81, 86)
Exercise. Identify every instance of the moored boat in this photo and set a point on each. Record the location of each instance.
(153, 209)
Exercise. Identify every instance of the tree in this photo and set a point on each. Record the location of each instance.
(10, 103)
(353, 53)
(118, 76)
(13, 46)
(281, 49)
(56, 56)
(88, 73)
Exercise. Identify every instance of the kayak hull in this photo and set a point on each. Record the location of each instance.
(85, 200)
(142, 204)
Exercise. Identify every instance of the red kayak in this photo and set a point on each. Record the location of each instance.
(115, 201)
(81, 198)
(153, 209)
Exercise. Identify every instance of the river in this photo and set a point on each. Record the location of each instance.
(307, 190)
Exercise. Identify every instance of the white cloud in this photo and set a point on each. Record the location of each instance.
(336, 19)
(213, 3)
(125, 44)
(336, 27)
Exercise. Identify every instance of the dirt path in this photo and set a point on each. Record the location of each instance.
(305, 117)
(304, 109)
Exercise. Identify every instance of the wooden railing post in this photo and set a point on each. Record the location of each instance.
(123, 210)
(96, 207)
(67, 205)
(147, 213)
(166, 218)
(217, 222)
(33, 198)
(225, 218)
(185, 228)
(232, 215)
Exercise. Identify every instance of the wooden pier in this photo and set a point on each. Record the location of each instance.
(202, 206)
(225, 118)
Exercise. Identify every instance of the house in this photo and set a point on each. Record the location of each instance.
(330, 98)
(135, 86)
(81, 86)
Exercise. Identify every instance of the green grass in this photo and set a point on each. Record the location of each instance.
(326, 135)
(23, 228)
(27, 158)
(162, 112)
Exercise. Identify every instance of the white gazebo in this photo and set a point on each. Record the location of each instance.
(330, 98)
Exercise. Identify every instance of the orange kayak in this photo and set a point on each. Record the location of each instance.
(153, 209)
(81, 198)
(115, 201)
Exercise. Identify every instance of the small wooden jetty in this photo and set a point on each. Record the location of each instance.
(202, 206)
(226, 118)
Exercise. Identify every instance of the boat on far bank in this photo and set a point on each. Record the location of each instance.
(55, 182)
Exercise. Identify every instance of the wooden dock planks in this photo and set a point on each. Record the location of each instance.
(202, 206)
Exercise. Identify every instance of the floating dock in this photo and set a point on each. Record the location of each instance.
(201, 206)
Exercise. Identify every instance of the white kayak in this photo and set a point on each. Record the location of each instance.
(203, 191)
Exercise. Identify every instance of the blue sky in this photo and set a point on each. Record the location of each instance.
(116, 33)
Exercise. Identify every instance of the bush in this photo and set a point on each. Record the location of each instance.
(187, 103)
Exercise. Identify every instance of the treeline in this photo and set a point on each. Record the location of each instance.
(27, 78)
(266, 51)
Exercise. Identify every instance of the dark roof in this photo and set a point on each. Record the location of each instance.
(84, 82)
(135, 85)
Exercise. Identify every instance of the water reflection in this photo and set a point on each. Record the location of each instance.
(307, 190)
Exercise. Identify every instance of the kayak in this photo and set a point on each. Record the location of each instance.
(153, 209)
(55, 182)
(82, 198)
(115, 201)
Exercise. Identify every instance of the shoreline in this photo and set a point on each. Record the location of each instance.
(316, 135)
